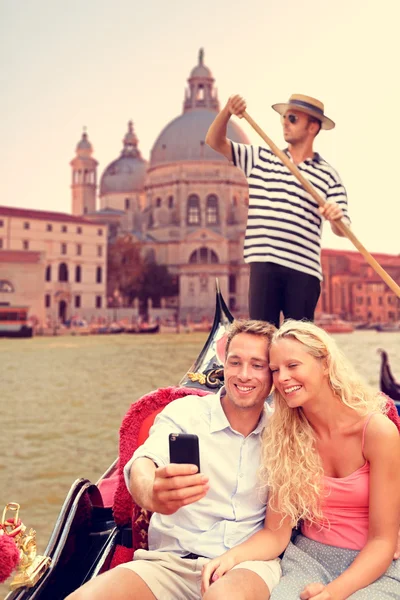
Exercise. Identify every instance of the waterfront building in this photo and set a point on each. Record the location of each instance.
(68, 256)
(22, 281)
(352, 290)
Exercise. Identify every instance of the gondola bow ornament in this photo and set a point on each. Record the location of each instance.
(207, 371)
(18, 550)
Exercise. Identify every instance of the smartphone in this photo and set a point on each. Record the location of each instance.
(184, 449)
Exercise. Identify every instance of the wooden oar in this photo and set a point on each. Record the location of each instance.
(321, 202)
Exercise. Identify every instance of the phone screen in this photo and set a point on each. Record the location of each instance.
(184, 449)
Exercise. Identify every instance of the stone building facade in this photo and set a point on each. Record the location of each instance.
(73, 257)
(352, 290)
(22, 281)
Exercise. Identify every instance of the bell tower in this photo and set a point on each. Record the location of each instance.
(84, 177)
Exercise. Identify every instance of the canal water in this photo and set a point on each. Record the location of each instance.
(63, 398)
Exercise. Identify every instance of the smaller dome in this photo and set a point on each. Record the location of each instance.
(126, 174)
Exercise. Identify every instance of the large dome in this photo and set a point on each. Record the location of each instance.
(183, 138)
(127, 173)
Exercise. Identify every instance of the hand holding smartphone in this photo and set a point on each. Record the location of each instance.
(184, 449)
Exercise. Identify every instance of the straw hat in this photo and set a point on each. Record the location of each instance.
(308, 105)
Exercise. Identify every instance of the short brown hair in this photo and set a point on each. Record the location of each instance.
(259, 328)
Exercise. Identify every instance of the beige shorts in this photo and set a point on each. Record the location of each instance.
(171, 577)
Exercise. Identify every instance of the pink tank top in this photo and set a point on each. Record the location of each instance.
(345, 509)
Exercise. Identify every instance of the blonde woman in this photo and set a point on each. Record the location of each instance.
(331, 459)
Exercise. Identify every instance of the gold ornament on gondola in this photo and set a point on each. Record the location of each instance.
(213, 378)
(197, 377)
(31, 565)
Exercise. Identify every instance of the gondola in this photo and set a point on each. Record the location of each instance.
(98, 525)
(142, 329)
(388, 384)
(89, 532)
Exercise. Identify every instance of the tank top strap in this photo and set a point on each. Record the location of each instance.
(364, 430)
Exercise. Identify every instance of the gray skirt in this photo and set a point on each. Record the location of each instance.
(306, 561)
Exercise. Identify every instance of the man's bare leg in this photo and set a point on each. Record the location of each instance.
(117, 584)
(239, 584)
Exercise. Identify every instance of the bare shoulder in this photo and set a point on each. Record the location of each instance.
(381, 437)
(380, 424)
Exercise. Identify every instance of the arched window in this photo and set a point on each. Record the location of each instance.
(99, 274)
(158, 202)
(78, 274)
(212, 217)
(48, 273)
(204, 256)
(63, 272)
(193, 210)
(170, 202)
(6, 286)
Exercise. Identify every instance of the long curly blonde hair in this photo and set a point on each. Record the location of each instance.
(291, 466)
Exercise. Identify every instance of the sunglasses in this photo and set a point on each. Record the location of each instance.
(290, 117)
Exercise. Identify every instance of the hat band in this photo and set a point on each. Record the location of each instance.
(307, 105)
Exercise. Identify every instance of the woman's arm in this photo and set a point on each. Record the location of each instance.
(382, 450)
(266, 544)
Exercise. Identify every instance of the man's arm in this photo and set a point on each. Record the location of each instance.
(216, 135)
(165, 489)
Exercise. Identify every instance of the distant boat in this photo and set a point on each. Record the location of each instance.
(388, 384)
(332, 324)
(142, 328)
(14, 322)
(385, 327)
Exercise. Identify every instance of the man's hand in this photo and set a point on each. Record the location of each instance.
(236, 105)
(176, 486)
(331, 211)
(316, 591)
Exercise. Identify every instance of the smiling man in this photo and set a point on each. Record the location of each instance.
(198, 516)
(284, 226)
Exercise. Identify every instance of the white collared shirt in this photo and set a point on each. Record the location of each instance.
(234, 507)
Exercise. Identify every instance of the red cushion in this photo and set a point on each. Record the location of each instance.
(391, 411)
(145, 426)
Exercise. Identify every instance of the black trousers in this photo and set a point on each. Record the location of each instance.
(274, 288)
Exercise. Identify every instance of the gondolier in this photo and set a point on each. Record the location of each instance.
(283, 235)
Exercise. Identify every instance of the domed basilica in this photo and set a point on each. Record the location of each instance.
(187, 205)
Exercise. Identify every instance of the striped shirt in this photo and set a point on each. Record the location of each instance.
(284, 225)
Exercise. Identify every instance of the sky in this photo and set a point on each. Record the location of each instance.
(97, 64)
